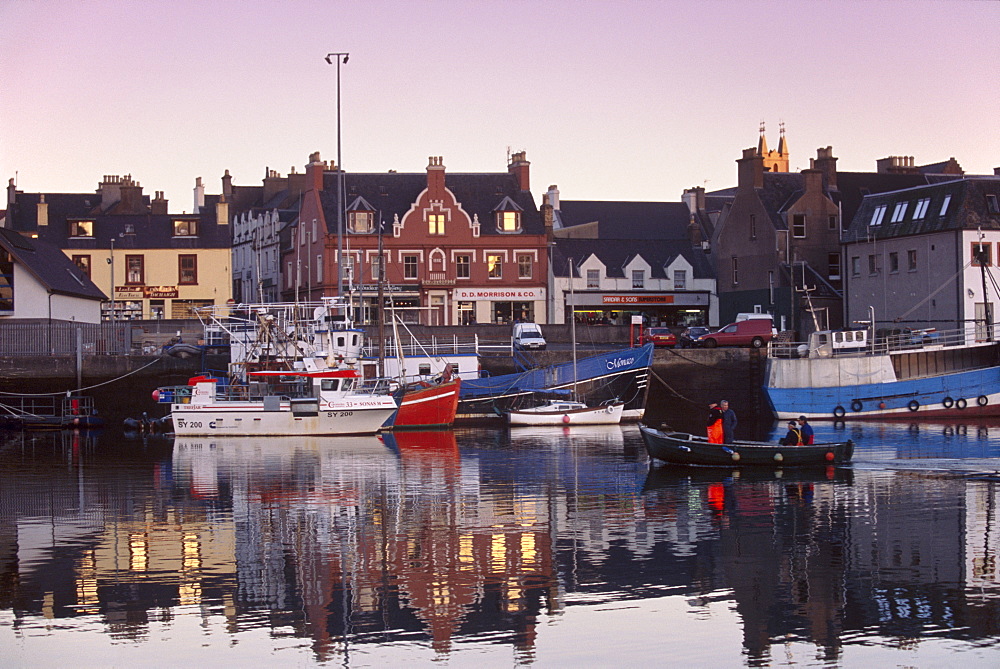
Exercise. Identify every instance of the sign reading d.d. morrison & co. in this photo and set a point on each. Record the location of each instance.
(520, 294)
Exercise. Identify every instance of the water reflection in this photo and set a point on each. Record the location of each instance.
(471, 541)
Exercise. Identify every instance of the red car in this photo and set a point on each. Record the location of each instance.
(659, 337)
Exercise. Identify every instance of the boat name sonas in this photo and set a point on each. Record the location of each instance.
(620, 362)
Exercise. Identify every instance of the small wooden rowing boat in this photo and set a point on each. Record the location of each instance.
(680, 448)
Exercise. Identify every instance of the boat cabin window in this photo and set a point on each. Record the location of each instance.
(424, 369)
(329, 384)
(348, 384)
(341, 341)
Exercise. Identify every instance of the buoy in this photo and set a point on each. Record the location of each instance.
(565, 418)
(156, 395)
(736, 457)
(778, 457)
(881, 405)
(829, 456)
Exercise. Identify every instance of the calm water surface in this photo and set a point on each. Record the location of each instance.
(547, 547)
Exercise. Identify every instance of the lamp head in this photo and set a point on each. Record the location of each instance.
(346, 55)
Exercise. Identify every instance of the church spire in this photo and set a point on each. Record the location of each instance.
(782, 145)
(762, 142)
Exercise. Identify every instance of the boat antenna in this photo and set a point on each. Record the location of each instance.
(572, 322)
(381, 298)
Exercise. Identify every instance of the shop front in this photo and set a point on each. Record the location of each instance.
(498, 305)
(679, 309)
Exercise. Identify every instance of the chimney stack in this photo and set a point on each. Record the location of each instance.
(435, 177)
(158, 207)
(227, 185)
(42, 214)
(199, 195)
(826, 163)
(750, 170)
(519, 168)
(314, 170)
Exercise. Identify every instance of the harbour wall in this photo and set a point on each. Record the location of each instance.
(682, 384)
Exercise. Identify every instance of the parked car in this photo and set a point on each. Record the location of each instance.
(689, 337)
(528, 336)
(659, 337)
(753, 332)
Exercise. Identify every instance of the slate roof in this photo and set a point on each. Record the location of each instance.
(968, 209)
(49, 266)
(393, 193)
(148, 231)
(628, 220)
(616, 256)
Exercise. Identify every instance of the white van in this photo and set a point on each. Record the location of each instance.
(528, 336)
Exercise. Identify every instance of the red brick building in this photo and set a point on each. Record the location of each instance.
(459, 248)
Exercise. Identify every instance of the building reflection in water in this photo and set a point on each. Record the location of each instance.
(410, 537)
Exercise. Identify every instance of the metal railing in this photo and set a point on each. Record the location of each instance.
(887, 340)
(41, 337)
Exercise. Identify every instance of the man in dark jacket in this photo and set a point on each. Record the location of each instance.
(807, 431)
(728, 422)
(793, 437)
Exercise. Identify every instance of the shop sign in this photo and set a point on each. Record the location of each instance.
(145, 292)
(638, 299)
(499, 294)
(438, 282)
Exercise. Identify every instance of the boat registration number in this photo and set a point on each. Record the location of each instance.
(339, 414)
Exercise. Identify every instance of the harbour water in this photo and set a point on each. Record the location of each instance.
(496, 547)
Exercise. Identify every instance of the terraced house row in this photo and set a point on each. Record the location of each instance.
(459, 248)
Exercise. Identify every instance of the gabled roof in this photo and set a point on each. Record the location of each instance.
(136, 231)
(393, 193)
(49, 266)
(616, 256)
(968, 209)
(628, 220)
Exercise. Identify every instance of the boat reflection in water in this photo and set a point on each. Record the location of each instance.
(552, 546)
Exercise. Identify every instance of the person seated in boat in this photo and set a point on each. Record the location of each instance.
(808, 438)
(793, 437)
(714, 424)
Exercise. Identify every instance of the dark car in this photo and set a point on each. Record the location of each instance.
(659, 337)
(689, 338)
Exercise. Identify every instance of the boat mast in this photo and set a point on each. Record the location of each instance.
(572, 323)
(381, 297)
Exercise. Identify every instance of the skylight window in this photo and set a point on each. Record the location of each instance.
(899, 212)
(921, 209)
(944, 205)
(878, 215)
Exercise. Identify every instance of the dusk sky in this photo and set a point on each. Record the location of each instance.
(616, 100)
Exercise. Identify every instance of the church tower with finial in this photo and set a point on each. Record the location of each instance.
(774, 161)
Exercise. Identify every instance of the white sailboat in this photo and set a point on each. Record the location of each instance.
(569, 412)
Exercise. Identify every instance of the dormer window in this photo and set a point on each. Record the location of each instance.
(361, 222)
(508, 221)
(508, 216)
(81, 228)
(185, 228)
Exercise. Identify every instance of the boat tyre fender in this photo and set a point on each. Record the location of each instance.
(982, 400)
(839, 412)
(960, 403)
(913, 405)
(856, 405)
(947, 402)
(610, 409)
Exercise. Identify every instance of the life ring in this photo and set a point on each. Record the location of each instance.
(838, 411)
(982, 400)
(960, 403)
(856, 405)
(913, 405)
(947, 402)
(610, 409)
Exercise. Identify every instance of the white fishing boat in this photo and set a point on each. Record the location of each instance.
(563, 412)
(328, 402)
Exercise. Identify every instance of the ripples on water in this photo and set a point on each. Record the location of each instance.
(536, 546)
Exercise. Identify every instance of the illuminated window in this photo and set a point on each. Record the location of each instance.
(81, 228)
(185, 228)
(361, 221)
(494, 265)
(509, 221)
(435, 224)
(187, 270)
(83, 262)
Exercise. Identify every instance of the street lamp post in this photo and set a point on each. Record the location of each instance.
(111, 261)
(339, 58)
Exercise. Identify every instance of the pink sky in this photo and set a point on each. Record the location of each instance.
(629, 100)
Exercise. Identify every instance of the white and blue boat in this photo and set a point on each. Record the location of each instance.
(616, 376)
(907, 374)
